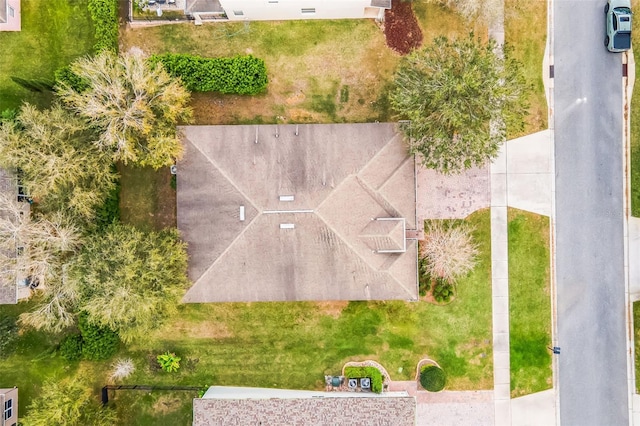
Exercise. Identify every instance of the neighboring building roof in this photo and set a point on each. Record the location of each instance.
(293, 217)
(3, 11)
(222, 406)
(10, 15)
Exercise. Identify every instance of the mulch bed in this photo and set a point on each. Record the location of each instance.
(401, 27)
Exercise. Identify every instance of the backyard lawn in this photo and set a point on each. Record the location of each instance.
(529, 302)
(287, 345)
(319, 71)
(147, 198)
(54, 33)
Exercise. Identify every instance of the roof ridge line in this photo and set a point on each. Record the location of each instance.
(232, 243)
(222, 172)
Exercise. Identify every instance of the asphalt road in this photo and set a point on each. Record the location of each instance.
(592, 365)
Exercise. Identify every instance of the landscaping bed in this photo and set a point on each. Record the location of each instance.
(401, 29)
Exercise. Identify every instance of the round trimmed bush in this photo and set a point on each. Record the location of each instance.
(432, 378)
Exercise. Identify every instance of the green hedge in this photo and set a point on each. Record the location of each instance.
(243, 75)
(432, 378)
(359, 372)
(71, 347)
(98, 343)
(104, 14)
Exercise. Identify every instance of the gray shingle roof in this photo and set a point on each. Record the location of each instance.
(307, 201)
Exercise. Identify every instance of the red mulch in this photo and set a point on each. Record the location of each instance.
(401, 27)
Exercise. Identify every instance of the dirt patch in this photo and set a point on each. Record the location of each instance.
(166, 206)
(401, 27)
(167, 404)
(201, 330)
(333, 309)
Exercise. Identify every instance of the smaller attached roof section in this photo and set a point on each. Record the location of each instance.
(251, 406)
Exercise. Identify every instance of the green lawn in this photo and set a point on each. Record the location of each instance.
(526, 32)
(287, 345)
(635, 126)
(54, 33)
(529, 303)
(636, 335)
(147, 199)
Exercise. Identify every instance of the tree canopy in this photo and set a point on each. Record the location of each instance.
(130, 280)
(58, 164)
(67, 402)
(135, 105)
(459, 96)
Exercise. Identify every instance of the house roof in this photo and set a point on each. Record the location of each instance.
(3, 11)
(253, 406)
(291, 217)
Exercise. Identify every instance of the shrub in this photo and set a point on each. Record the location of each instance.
(8, 333)
(169, 362)
(122, 369)
(109, 211)
(432, 378)
(243, 75)
(359, 372)
(71, 347)
(98, 342)
(73, 80)
(9, 114)
(442, 290)
(104, 14)
(424, 279)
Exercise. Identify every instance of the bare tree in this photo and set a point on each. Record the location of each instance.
(56, 304)
(135, 105)
(449, 251)
(33, 248)
(58, 163)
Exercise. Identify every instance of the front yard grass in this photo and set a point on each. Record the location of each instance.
(285, 345)
(54, 33)
(526, 33)
(635, 125)
(636, 340)
(529, 303)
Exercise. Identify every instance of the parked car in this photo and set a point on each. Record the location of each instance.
(618, 23)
